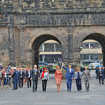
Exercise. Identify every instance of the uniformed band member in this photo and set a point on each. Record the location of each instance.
(69, 77)
(35, 74)
(28, 77)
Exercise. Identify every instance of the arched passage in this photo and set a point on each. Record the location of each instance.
(101, 39)
(36, 44)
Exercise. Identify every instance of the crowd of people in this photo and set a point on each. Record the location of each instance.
(16, 77)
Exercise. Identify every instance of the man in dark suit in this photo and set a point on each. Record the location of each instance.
(28, 77)
(101, 75)
(35, 74)
(78, 75)
(21, 77)
(15, 77)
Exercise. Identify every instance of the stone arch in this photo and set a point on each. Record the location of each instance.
(58, 37)
(94, 36)
(101, 39)
(37, 42)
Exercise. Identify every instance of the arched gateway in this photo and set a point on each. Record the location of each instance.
(100, 38)
(36, 44)
(68, 24)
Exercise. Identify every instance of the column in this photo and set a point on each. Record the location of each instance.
(65, 52)
(76, 49)
(11, 41)
(22, 45)
(68, 46)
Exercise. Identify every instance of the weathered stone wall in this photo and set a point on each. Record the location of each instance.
(31, 34)
(56, 3)
(4, 56)
(70, 21)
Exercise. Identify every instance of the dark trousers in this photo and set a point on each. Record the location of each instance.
(5, 81)
(101, 80)
(9, 81)
(44, 85)
(21, 82)
(29, 82)
(69, 84)
(15, 84)
(35, 83)
(78, 84)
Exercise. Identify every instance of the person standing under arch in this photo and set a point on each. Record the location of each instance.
(58, 78)
(44, 77)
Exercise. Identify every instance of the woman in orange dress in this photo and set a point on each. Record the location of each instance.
(58, 78)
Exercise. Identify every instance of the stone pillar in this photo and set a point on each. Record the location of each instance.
(22, 45)
(76, 50)
(11, 41)
(65, 49)
(70, 44)
(76, 55)
(17, 44)
(71, 48)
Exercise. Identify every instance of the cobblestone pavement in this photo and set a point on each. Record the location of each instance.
(24, 96)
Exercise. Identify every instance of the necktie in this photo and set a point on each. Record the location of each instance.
(78, 75)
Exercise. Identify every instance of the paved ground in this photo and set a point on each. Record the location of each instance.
(24, 96)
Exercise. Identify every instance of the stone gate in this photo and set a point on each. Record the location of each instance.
(25, 24)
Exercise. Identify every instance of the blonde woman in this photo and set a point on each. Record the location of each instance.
(58, 78)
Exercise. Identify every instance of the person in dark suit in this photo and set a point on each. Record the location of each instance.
(21, 77)
(78, 75)
(35, 74)
(28, 77)
(101, 75)
(15, 77)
